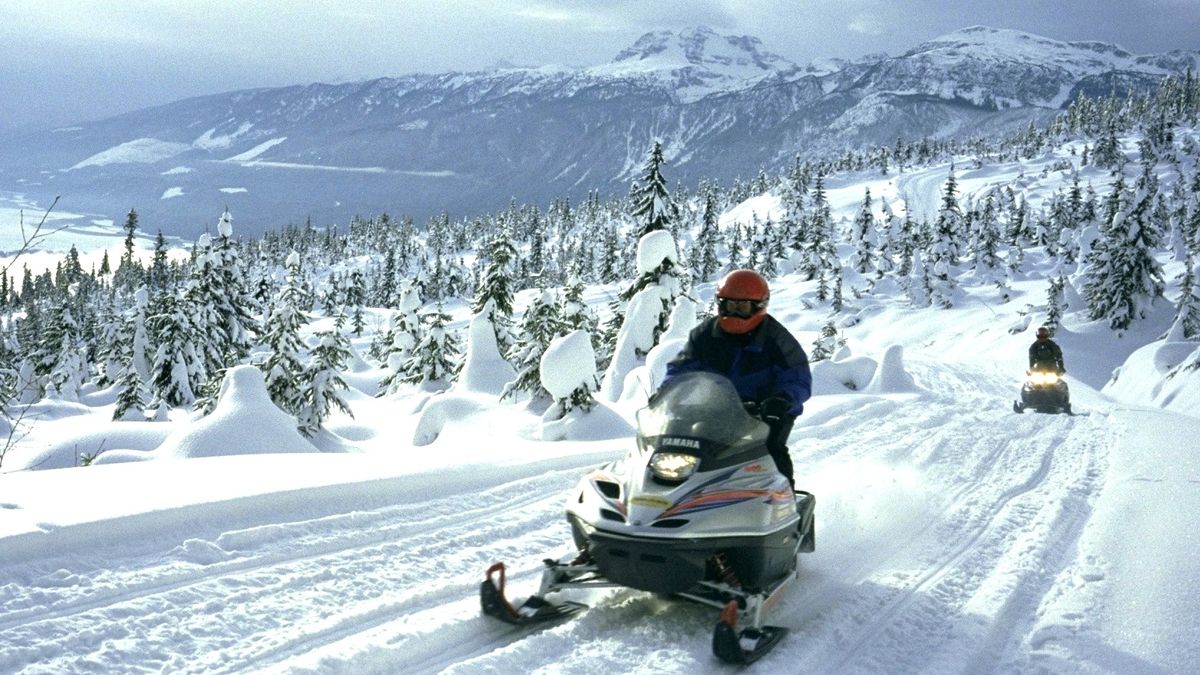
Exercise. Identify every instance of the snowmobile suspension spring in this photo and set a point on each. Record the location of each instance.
(724, 571)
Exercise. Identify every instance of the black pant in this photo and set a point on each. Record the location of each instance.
(777, 446)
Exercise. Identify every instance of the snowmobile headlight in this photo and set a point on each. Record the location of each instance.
(1044, 377)
(673, 466)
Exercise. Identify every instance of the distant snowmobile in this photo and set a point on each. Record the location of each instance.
(697, 510)
(1044, 391)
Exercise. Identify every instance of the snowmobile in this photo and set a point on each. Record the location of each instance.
(1044, 390)
(697, 509)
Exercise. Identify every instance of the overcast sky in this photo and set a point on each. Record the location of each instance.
(65, 61)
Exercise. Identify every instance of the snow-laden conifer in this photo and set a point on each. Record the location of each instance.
(435, 358)
(540, 324)
(401, 339)
(650, 298)
(652, 206)
(323, 381)
(283, 368)
(176, 357)
(1124, 278)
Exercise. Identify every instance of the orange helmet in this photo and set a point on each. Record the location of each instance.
(742, 301)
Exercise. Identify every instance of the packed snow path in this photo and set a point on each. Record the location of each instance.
(946, 528)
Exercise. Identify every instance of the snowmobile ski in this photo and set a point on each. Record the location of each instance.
(744, 647)
(536, 609)
(1018, 407)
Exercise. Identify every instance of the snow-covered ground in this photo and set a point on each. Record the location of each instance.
(952, 534)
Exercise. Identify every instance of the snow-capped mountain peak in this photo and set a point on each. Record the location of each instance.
(697, 61)
(1002, 44)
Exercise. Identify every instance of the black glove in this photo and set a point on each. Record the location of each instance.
(774, 408)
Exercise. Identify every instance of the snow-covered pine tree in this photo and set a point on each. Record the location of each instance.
(355, 298)
(129, 271)
(541, 323)
(494, 295)
(1124, 277)
(918, 285)
(404, 333)
(575, 314)
(864, 236)
(1055, 302)
(231, 294)
(705, 261)
(820, 254)
(175, 357)
(132, 397)
(825, 344)
(651, 298)
(889, 244)
(435, 358)
(1187, 309)
(945, 250)
(652, 205)
(986, 239)
(283, 368)
(323, 379)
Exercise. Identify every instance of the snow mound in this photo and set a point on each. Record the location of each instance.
(837, 376)
(440, 410)
(891, 377)
(569, 363)
(244, 422)
(601, 423)
(1159, 373)
(484, 370)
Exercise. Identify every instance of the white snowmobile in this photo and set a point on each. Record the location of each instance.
(697, 510)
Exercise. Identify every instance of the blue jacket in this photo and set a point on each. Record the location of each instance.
(766, 361)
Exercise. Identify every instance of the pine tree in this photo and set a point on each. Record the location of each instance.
(323, 379)
(497, 287)
(945, 250)
(132, 398)
(652, 204)
(825, 344)
(436, 356)
(1187, 313)
(820, 256)
(129, 270)
(175, 358)
(401, 341)
(1124, 278)
(1055, 302)
(865, 237)
(540, 324)
(706, 263)
(283, 366)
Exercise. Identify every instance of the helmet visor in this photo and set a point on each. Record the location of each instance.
(743, 309)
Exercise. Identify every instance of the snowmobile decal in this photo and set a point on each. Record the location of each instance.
(716, 500)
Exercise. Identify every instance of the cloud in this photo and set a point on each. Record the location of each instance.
(865, 25)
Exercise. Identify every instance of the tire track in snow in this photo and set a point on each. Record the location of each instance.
(298, 555)
(865, 621)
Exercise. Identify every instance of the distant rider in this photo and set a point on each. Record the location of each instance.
(1045, 353)
(763, 360)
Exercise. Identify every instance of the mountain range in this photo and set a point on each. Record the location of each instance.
(723, 107)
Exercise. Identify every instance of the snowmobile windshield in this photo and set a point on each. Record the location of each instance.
(701, 414)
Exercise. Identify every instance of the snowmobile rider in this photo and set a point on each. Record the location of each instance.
(764, 361)
(1045, 353)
